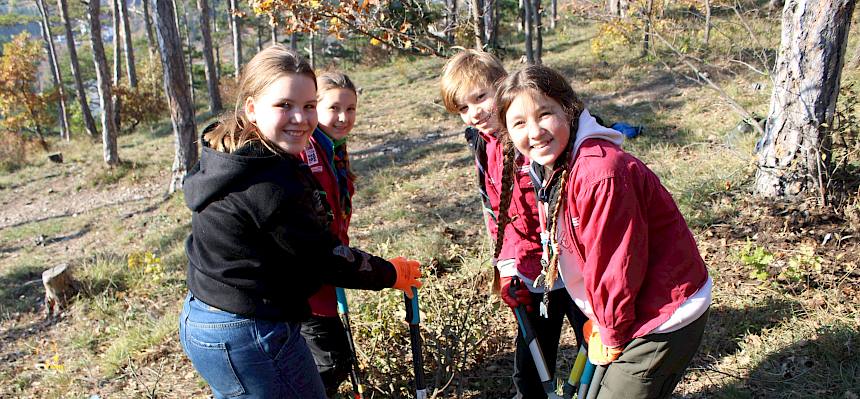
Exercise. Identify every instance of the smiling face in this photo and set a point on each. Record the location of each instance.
(285, 112)
(538, 127)
(478, 109)
(336, 112)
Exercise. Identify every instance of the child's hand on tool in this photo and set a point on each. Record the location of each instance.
(598, 353)
(407, 275)
(515, 294)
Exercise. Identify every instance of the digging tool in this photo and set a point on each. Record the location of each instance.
(594, 389)
(532, 343)
(343, 310)
(575, 373)
(585, 380)
(414, 318)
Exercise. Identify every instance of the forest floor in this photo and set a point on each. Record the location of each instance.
(784, 320)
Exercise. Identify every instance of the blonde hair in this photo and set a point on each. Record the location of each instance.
(334, 80)
(234, 130)
(465, 71)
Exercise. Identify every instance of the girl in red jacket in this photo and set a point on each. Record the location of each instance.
(327, 158)
(617, 239)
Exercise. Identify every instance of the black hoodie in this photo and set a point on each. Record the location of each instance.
(260, 243)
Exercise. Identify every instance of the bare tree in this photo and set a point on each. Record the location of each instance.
(707, 22)
(646, 40)
(528, 27)
(794, 153)
(217, 42)
(117, 64)
(130, 68)
(103, 80)
(538, 32)
(450, 19)
(491, 23)
(55, 68)
(554, 14)
(178, 92)
(215, 105)
(189, 47)
(236, 29)
(478, 22)
(89, 122)
(147, 24)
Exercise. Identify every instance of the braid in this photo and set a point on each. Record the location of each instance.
(552, 273)
(507, 192)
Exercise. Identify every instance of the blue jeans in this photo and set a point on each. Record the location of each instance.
(247, 358)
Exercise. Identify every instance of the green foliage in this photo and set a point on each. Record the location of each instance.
(758, 258)
(801, 265)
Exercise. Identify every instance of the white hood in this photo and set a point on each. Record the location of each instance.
(590, 129)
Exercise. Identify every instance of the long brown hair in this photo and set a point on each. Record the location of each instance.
(535, 79)
(337, 80)
(234, 130)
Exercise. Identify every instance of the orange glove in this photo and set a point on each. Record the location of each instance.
(407, 274)
(598, 353)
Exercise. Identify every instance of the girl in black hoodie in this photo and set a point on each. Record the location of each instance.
(260, 243)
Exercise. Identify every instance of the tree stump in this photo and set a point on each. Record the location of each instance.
(59, 287)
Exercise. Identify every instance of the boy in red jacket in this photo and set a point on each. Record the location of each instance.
(468, 88)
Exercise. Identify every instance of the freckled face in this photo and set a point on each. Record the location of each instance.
(478, 109)
(336, 112)
(538, 127)
(285, 112)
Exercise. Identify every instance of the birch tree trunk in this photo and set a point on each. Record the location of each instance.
(117, 65)
(794, 154)
(103, 80)
(478, 23)
(89, 122)
(55, 68)
(130, 68)
(312, 51)
(450, 20)
(646, 39)
(178, 93)
(236, 27)
(215, 105)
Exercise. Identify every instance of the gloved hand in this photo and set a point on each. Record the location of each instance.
(515, 295)
(407, 274)
(598, 353)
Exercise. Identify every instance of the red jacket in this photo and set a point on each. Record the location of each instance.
(318, 156)
(522, 235)
(638, 259)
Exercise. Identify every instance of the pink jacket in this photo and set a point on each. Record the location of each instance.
(628, 240)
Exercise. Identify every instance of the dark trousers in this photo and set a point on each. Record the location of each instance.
(326, 338)
(651, 366)
(548, 333)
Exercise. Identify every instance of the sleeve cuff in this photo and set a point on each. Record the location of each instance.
(611, 338)
(507, 267)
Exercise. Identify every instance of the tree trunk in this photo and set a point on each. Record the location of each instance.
(707, 22)
(215, 105)
(617, 8)
(538, 32)
(103, 80)
(117, 65)
(312, 49)
(59, 288)
(190, 48)
(294, 41)
(235, 28)
(150, 37)
(55, 68)
(130, 68)
(490, 23)
(217, 44)
(89, 122)
(259, 30)
(794, 154)
(450, 20)
(528, 21)
(646, 39)
(178, 93)
(478, 22)
(274, 31)
(855, 59)
(554, 14)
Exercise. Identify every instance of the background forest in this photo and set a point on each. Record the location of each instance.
(749, 115)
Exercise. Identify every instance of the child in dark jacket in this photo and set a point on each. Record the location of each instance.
(260, 242)
(468, 88)
(618, 240)
(327, 157)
